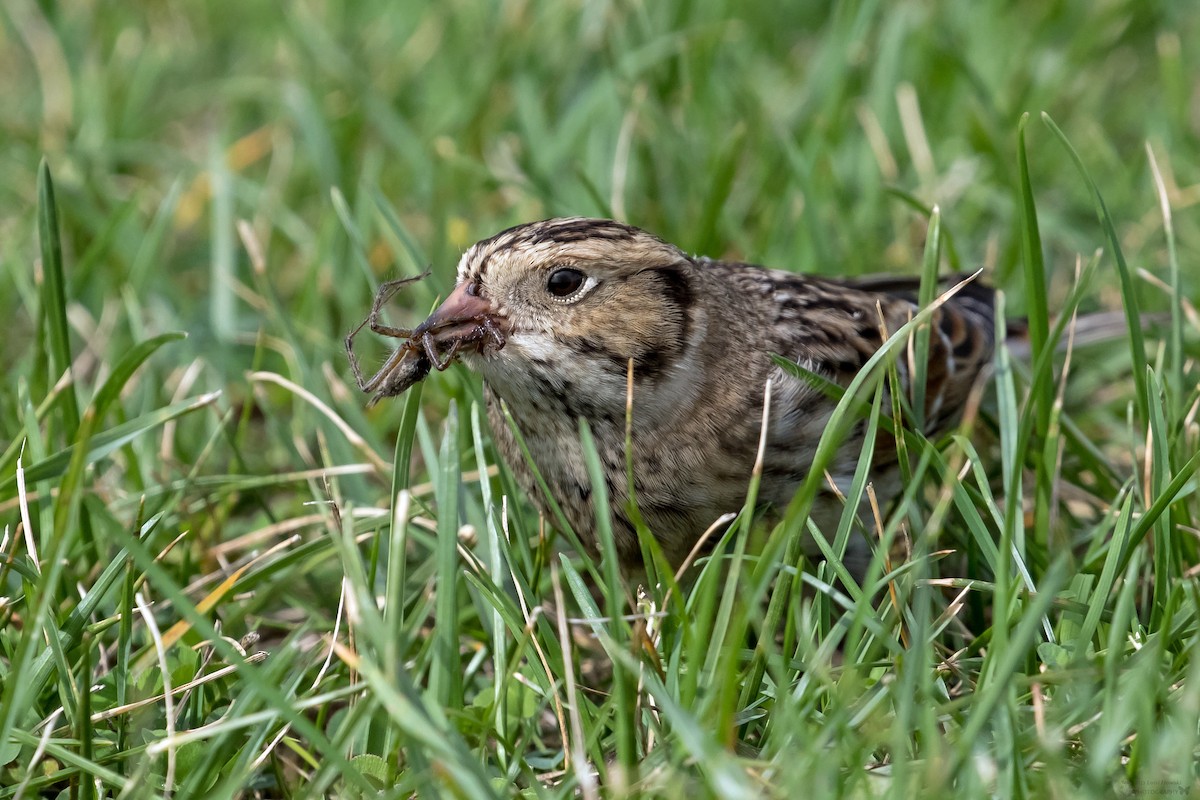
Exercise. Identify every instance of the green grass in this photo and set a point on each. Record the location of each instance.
(196, 203)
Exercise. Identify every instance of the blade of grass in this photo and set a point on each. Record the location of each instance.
(925, 295)
(445, 680)
(1041, 398)
(614, 597)
(54, 297)
(1175, 352)
(1036, 307)
(101, 444)
(995, 686)
(1133, 314)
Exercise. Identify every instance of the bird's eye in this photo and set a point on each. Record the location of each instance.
(564, 282)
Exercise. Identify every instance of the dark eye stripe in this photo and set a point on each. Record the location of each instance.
(677, 290)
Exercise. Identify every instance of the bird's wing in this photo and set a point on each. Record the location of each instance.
(834, 327)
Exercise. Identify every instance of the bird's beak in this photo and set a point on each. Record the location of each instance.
(464, 321)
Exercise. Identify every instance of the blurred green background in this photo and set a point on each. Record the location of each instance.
(771, 132)
(249, 172)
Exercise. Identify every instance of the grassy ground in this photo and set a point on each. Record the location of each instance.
(223, 576)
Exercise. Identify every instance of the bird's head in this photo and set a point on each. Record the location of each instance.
(574, 300)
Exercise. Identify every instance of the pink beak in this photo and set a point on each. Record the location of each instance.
(464, 320)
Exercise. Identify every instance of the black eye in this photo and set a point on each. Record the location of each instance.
(564, 282)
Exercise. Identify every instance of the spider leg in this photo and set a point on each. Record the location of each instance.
(389, 331)
(380, 377)
(430, 347)
(363, 384)
(431, 351)
(443, 364)
(386, 292)
(493, 332)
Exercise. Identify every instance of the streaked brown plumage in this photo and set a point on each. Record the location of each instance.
(551, 313)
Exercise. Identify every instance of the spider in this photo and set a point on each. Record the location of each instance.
(411, 361)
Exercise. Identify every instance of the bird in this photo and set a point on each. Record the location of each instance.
(555, 315)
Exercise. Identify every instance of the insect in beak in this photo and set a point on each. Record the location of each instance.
(462, 322)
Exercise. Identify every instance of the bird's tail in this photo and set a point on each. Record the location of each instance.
(1086, 330)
